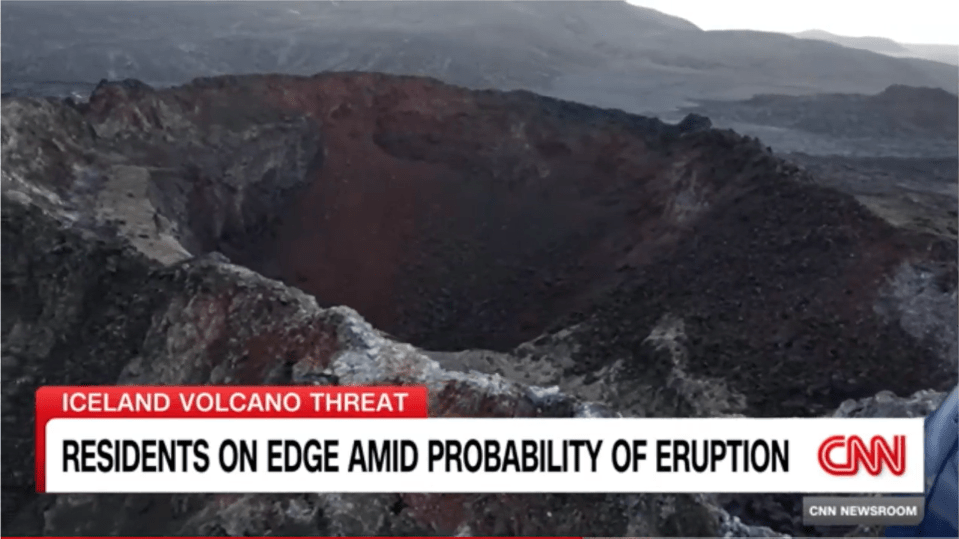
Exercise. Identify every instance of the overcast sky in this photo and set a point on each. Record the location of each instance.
(906, 21)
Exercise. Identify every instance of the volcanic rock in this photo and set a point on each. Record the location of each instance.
(543, 258)
(694, 122)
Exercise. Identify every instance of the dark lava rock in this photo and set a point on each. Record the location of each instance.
(694, 122)
(645, 269)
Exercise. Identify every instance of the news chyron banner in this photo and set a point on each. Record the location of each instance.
(382, 439)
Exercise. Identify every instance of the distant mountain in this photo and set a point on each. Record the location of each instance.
(609, 54)
(900, 121)
(948, 54)
(898, 111)
(882, 45)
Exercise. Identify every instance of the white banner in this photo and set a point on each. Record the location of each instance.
(484, 455)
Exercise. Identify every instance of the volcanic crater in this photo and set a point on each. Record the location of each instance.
(456, 219)
(646, 269)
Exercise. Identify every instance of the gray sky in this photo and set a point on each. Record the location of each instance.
(912, 21)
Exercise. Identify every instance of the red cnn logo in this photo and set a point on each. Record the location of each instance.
(857, 453)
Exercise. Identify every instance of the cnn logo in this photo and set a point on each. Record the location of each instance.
(857, 454)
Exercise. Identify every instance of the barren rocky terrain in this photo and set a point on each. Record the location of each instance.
(540, 257)
(900, 121)
(895, 151)
(781, 243)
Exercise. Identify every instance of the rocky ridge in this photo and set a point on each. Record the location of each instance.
(607, 263)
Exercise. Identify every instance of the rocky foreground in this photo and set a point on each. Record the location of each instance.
(543, 258)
